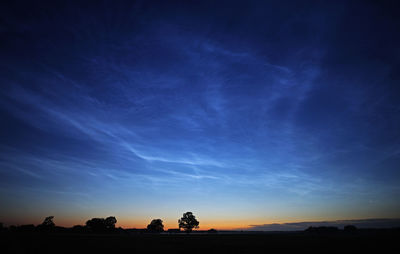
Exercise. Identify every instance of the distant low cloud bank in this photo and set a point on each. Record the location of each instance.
(365, 223)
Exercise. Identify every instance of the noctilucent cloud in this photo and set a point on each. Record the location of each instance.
(245, 113)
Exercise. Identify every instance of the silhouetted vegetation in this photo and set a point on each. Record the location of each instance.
(101, 225)
(86, 239)
(110, 222)
(26, 228)
(156, 226)
(188, 222)
(322, 229)
(47, 224)
(350, 228)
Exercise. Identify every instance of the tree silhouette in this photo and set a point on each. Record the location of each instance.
(156, 226)
(188, 222)
(48, 222)
(101, 224)
(95, 224)
(110, 222)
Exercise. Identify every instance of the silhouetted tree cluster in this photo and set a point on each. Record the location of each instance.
(188, 222)
(107, 225)
(156, 226)
(100, 225)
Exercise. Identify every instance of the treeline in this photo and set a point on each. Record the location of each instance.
(95, 225)
(330, 229)
(187, 223)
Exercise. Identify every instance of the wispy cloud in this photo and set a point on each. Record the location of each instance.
(148, 105)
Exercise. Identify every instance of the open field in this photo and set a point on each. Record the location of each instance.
(375, 241)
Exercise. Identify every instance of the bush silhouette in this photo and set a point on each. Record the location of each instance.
(188, 222)
(26, 228)
(322, 230)
(156, 226)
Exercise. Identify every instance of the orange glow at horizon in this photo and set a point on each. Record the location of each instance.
(169, 223)
(136, 223)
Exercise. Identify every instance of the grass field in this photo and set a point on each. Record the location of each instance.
(375, 241)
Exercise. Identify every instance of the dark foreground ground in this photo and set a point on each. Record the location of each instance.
(359, 242)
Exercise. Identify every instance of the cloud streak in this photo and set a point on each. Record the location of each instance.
(151, 105)
(299, 226)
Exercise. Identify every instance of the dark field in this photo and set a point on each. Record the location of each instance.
(382, 241)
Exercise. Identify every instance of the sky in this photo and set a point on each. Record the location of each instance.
(246, 113)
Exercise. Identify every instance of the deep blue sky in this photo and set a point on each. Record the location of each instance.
(244, 113)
